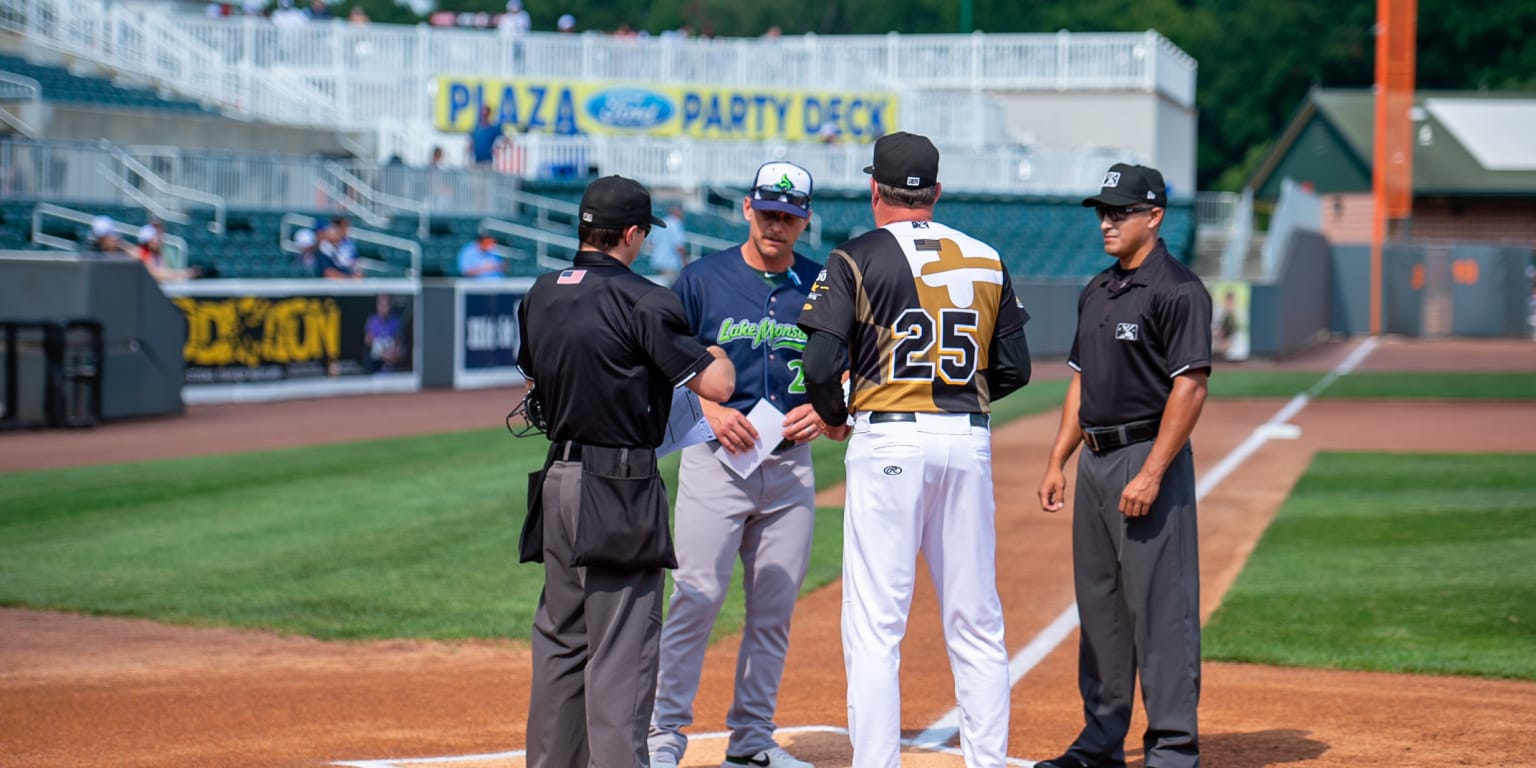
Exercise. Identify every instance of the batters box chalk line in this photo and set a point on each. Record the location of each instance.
(409, 761)
(937, 736)
(1057, 632)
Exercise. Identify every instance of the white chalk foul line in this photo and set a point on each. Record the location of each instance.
(410, 761)
(937, 736)
(1061, 628)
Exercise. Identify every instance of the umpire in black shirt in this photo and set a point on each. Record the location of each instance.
(1142, 356)
(603, 348)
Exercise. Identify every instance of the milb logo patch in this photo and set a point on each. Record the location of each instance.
(1125, 332)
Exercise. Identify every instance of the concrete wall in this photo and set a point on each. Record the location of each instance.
(1052, 311)
(142, 332)
(1162, 131)
(180, 129)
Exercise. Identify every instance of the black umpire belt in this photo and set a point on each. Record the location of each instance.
(1102, 439)
(620, 462)
(882, 417)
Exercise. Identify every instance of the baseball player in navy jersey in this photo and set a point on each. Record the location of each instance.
(745, 299)
(933, 331)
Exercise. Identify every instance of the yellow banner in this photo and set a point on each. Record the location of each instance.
(572, 108)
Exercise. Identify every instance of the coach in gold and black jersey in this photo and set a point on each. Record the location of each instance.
(927, 320)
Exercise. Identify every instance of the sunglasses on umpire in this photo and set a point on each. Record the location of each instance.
(792, 196)
(1119, 215)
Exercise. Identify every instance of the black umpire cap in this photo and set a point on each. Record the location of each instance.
(614, 202)
(905, 161)
(1126, 185)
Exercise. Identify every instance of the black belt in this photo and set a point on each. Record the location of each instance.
(882, 417)
(1102, 439)
(602, 455)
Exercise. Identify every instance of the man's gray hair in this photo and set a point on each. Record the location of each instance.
(908, 198)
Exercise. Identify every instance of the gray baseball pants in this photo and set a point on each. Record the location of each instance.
(766, 519)
(1138, 596)
(595, 638)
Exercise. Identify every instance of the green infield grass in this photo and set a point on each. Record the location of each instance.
(408, 537)
(1393, 562)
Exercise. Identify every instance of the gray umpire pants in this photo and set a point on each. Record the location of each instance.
(595, 638)
(767, 519)
(1138, 596)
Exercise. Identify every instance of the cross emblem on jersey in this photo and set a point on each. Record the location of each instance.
(954, 270)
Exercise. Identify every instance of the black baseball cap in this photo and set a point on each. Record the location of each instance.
(614, 202)
(1125, 184)
(905, 161)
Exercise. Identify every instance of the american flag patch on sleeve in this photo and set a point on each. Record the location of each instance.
(571, 277)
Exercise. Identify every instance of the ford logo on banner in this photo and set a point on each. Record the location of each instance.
(630, 108)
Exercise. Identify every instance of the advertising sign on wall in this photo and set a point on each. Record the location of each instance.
(1230, 321)
(487, 334)
(582, 107)
(238, 339)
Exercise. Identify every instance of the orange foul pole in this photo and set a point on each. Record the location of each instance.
(1392, 161)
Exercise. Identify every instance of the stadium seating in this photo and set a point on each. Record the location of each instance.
(1039, 238)
(59, 84)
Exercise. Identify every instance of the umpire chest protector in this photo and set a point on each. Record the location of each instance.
(1135, 332)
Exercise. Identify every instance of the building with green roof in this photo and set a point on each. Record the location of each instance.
(1474, 163)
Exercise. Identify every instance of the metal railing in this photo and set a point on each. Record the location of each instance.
(292, 222)
(63, 171)
(173, 248)
(542, 242)
(353, 186)
(128, 175)
(19, 88)
(353, 76)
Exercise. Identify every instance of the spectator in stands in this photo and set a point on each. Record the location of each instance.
(669, 246)
(304, 241)
(358, 16)
(319, 11)
(285, 15)
(104, 240)
(439, 183)
(335, 254)
(479, 260)
(482, 140)
(151, 242)
(566, 23)
(514, 26)
(515, 22)
(346, 247)
(383, 334)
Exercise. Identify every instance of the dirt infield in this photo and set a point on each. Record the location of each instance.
(109, 692)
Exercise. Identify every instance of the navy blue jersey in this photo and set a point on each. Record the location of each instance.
(752, 317)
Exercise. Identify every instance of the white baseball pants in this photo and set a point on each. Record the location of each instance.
(923, 486)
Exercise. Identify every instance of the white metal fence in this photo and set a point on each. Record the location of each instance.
(68, 171)
(353, 76)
